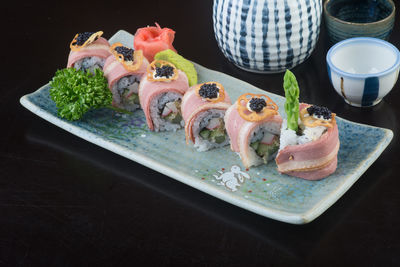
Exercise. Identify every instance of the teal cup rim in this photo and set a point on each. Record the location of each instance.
(350, 41)
(389, 17)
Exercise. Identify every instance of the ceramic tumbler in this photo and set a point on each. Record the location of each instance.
(267, 36)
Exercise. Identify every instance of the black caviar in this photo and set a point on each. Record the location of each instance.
(209, 90)
(318, 111)
(164, 71)
(82, 37)
(257, 104)
(126, 52)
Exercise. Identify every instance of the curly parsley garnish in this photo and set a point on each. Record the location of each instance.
(75, 92)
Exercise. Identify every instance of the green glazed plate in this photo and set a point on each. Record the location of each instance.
(220, 172)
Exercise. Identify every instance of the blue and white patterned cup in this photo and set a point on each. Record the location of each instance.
(363, 69)
(267, 36)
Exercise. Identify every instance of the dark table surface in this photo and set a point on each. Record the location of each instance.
(67, 202)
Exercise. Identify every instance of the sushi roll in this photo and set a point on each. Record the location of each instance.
(124, 69)
(253, 125)
(160, 93)
(203, 110)
(88, 51)
(309, 141)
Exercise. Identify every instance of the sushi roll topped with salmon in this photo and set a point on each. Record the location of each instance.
(309, 140)
(88, 51)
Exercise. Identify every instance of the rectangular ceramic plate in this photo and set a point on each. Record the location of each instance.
(263, 190)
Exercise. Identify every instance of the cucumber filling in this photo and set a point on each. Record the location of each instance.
(127, 92)
(265, 151)
(130, 98)
(172, 112)
(216, 135)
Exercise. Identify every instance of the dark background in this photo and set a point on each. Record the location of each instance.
(67, 202)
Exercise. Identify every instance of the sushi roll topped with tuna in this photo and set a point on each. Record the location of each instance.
(309, 140)
(124, 69)
(88, 51)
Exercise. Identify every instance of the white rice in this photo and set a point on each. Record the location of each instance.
(156, 107)
(202, 121)
(309, 134)
(130, 82)
(90, 63)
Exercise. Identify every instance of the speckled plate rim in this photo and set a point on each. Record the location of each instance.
(192, 181)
